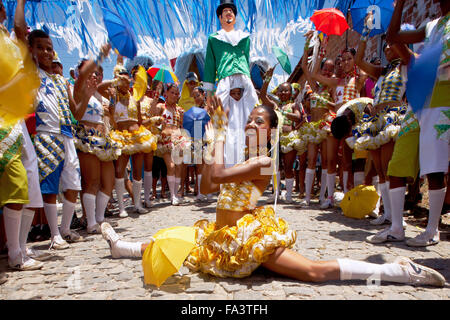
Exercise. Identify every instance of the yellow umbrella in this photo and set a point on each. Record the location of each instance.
(19, 81)
(166, 254)
(359, 201)
(140, 83)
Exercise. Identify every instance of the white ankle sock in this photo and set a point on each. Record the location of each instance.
(323, 185)
(377, 187)
(148, 179)
(397, 197)
(51, 214)
(171, 183)
(120, 190)
(384, 189)
(436, 201)
(331, 182)
(89, 208)
(289, 187)
(67, 214)
(358, 178)
(199, 179)
(360, 270)
(345, 181)
(25, 226)
(129, 249)
(100, 206)
(137, 186)
(177, 184)
(12, 220)
(309, 179)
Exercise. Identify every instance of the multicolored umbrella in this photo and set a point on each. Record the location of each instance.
(283, 59)
(382, 11)
(330, 21)
(120, 34)
(162, 73)
(166, 254)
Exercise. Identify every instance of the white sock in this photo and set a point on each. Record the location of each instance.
(51, 214)
(89, 201)
(12, 220)
(148, 179)
(25, 226)
(137, 186)
(331, 182)
(289, 187)
(377, 187)
(436, 201)
(358, 178)
(120, 190)
(100, 206)
(397, 197)
(360, 270)
(199, 180)
(67, 214)
(384, 189)
(323, 184)
(129, 249)
(177, 184)
(345, 181)
(309, 179)
(171, 183)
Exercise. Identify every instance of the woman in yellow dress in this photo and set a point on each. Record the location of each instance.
(244, 236)
(133, 138)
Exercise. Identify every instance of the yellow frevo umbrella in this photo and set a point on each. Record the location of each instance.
(166, 254)
(140, 84)
(359, 202)
(19, 81)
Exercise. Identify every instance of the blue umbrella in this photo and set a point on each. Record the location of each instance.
(120, 34)
(422, 76)
(194, 122)
(381, 9)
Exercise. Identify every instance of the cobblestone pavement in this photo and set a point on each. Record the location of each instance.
(87, 271)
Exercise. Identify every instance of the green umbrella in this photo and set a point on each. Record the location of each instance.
(283, 59)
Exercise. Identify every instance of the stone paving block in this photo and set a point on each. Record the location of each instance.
(232, 287)
(299, 290)
(201, 288)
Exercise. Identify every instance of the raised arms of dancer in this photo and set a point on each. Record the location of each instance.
(373, 70)
(315, 74)
(83, 88)
(263, 94)
(20, 25)
(394, 35)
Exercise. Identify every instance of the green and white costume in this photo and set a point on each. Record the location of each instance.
(227, 60)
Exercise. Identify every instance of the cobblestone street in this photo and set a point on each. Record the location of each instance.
(87, 271)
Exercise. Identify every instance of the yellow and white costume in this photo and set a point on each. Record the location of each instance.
(238, 250)
(138, 141)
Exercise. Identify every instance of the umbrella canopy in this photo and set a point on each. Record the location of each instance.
(330, 21)
(19, 81)
(359, 202)
(283, 59)
(194, 121)
(422, 74)
(162, 73)
(382, 11)
(120, 34)
(140, 83)
(166, 254)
